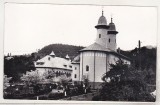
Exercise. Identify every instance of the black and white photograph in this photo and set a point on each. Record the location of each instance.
(80, 52)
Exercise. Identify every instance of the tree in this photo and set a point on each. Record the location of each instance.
(18, 65)
(118, 71)
(126, 84)
(48, 76)
(63, 79)
(31, 77)
(6, 83)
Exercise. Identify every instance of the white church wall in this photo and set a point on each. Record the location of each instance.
(100, 66)
(87, 60)
(75, 72)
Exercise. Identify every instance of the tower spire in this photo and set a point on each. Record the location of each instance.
(111, 19)
(102, 10)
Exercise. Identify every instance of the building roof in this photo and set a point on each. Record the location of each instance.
(76, 59)
(112, 26)
(95, 47)
(102, 21)
(53, 62)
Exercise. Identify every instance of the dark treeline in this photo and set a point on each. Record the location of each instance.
(60, 50)
(145, 60)
(18, 65)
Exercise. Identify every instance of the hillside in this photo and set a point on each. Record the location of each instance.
(60, 50)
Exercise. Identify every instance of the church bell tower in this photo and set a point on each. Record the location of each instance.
(106, 34)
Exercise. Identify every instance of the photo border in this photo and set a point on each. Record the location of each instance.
(138, 3)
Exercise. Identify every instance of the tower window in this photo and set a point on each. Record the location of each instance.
(75, 76)
(49, 58)
(87, 68)
(109, 40)
(70, 66)
(99, 35)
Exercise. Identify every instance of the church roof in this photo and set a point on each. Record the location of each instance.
(112, 26)
(95, 47)
(102, 21)
(98, 47)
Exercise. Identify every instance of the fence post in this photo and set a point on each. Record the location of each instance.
(37, 97)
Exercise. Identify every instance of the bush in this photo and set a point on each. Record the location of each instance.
(55, 96)
(43, 97)
(96, 98)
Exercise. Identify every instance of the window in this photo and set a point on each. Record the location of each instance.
(109, 40)
(49, 58)
(87, 68)
(39, 63)
(75, 76)
(99, 35)
(65, 65)
(70, 66)
(75, 68)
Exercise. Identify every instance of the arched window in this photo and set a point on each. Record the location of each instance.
(75, 76)
(87, 68)
(99, 35)
(109, 40)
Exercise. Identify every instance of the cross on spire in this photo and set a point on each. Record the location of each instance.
(111, 19)
(102, 10)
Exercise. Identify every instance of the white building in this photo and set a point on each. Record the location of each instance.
(94, 60)
(59, 65)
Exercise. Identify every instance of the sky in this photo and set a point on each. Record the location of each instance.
(29, 27)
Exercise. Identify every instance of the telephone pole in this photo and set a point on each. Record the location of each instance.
(139, 50)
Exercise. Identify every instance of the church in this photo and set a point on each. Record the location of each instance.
(94, 61)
